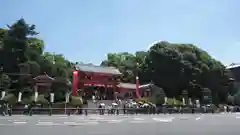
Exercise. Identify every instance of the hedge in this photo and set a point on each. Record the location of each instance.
(10, 98)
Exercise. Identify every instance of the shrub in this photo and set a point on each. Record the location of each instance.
(75, 100)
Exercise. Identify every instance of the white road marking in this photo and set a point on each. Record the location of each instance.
(63, 117)
(91, 123)
(238, 117)
(115, 121)
(163, 119)
(72, 123)
(19, 122)
(198, 118)
(45, 123)
(6, 125)
(138, 119)
(96, 118)
(183, 118)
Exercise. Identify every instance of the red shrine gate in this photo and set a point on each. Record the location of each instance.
(89, 75)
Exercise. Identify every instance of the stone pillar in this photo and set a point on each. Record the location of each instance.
(36, 93)
(183, 101)
(19, 96)
(3, 94)
(36, 96)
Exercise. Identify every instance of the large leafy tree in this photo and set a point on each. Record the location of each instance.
(23, 56)
(184, 66)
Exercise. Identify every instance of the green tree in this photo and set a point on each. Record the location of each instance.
(184, 66)
(129, 65)
(35, 49)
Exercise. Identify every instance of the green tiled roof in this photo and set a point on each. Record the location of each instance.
(98, 69)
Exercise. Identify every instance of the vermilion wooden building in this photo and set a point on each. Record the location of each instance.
(102, 79)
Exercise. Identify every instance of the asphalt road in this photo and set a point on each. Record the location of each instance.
(174, 124)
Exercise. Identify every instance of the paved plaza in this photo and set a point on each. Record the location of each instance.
(174, 124)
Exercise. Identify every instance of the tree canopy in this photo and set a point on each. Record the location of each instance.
(23, 57)
(175, 67)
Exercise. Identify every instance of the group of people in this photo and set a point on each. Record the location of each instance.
(128, 107)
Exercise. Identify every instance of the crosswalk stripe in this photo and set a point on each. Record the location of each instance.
(19, 122)
(163, 119)
(45, 123)
(92, 122)
(138, 118)
(198, 118)
(115, 121)
(69, 123)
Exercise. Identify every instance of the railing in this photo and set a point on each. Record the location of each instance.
(115, 111)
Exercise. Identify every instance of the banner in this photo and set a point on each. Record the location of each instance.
(137, 87)
(75, 83)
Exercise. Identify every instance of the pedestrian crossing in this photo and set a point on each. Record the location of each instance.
(39, 120)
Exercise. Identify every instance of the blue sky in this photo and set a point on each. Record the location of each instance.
(86, 30)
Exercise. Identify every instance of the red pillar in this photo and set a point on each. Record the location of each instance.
(75, 83)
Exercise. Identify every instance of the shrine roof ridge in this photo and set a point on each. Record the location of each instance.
(43, 77)
(98, 69)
